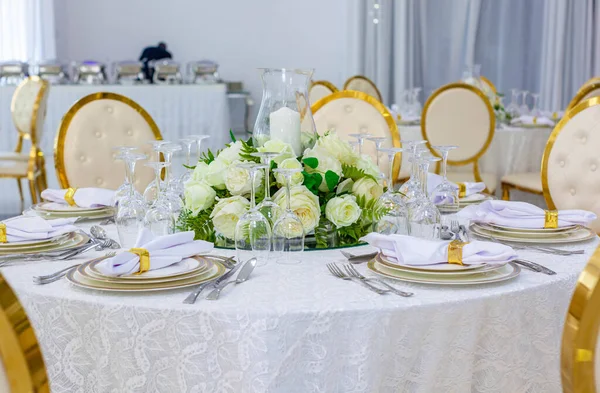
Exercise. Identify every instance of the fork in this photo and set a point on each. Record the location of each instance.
(337, 272)
(354, 273)
(50, 278)
(455, 228)
(358, 258)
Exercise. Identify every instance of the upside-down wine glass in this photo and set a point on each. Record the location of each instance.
(378, 140)
(361, 140)
(424, 217)
(131, 208)
(267, 207)
(535, 110)
(155, 145)
(288, 231)
(199, 139)
(411, 188)
(187, 174)
(524, 109)
(152, 189)
(171, 189)
(253, 231)
(513, 108)
(159, 217)
(445, 195)
(391, 214)
(121, 155)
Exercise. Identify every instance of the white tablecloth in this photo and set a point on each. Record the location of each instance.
(296, 328)
(177, 110)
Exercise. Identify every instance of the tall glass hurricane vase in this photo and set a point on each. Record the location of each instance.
(285, 113)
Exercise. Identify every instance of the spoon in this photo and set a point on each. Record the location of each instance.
(99, 233)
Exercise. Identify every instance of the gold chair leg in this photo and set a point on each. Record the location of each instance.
(39, 181)
(21, 194)
(43, 174)
(32, 191)
(505, 192)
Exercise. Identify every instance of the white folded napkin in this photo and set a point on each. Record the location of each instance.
(27, 228)
(164, 251)
(84, 197)
(528, 120)
(413, 251)
(556, 115)
(434, 180)
(521, 215)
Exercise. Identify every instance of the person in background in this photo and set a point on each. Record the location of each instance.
(154, 53)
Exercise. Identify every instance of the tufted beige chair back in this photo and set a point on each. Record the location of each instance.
(587, 91)
(364, 84)
(90, 130)
(571, 164)
(320, 89)
(354, 112)
(28, 108)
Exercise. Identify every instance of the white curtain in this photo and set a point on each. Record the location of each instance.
(27, 30)
(543, 46)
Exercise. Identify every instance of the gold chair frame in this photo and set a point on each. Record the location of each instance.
(387, 116)
(584, 91)
(594, 79)
(507, 187)
(36, 163)
(59, 143)
(19, 347)
(365, 79)
(324, 83)
(489, 83)
(475, 158)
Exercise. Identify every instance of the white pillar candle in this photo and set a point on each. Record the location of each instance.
(285, 126)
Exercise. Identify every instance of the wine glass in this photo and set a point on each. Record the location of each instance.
(411, 188)
(524, 109)
(361, 139)
(131, 208)
(378, 140)
(445, 195)
(199, 139)
(172, 194)
(253, 231)
(535, 110)
(354, 145)
(267, 207)
(513, 108)
(187, 174)
(159, 218)
(155, 145)
(121, 154)
(424, 216)
(288, 232)
(390, 213)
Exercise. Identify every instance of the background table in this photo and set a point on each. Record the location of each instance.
(178, 110)
(296, 328)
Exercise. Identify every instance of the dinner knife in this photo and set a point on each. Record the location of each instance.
(191, 299)
(241, 277)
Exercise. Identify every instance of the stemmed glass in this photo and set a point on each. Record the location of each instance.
(199, 139)
(253, 231)
(159, 218)
(122, 154)
(131, 207)
(187, 144)
(424, 216)
(391, 214)
(535, 110)
(445, 195)
(411, 188)
(153, 188)
(524, 109)
(267, 207)
(171, 189)
(378, 140)
(155, 146)
(513, 108)
(354, 145)
(361, 140)
(288, 232)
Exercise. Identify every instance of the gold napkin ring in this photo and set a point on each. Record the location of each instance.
(69, 196)
(144, 259)
(535, 120)
(455, 252)
(3, 233)
(551, 219)
(462, 190)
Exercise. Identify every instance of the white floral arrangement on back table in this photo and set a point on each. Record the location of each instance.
(336, 191)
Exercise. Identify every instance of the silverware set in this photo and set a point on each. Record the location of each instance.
(349, 273)
(50, 278)
(219, 283)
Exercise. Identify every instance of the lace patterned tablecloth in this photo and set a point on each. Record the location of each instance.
(296, 328)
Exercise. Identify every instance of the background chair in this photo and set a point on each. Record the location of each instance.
(364, 84)
(320, 89)
(22, 369)
(587, 91)
(354, 112)
(489, 84)
(90, 130)
(28, 109)
(571, 165)
(460, 114)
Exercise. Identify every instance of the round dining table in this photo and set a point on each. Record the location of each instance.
(297, 328)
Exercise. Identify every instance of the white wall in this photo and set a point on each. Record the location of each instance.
(240, 35)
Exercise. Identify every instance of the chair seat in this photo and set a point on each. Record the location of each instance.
(13, 168)
(12, 156)
(489, 179)
(531, 181)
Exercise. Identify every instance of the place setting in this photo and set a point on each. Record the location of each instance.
(81, 203)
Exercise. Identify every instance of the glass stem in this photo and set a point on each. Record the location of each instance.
(445, 164)
(198, 152)
(130, 171)
(253, 173)
(267, 181)
(377, 147)
(157, 175)
(424, 167)
(188, 154)
(288, 196)
(390, 174)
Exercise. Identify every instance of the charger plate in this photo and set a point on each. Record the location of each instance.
(579, 235)
(442, 267)
(448, 273)
(34, 243)
(504, 228)
(74, 240)
(54, 207)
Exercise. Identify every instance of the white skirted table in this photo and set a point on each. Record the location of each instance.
(296, 328)
(178, 110)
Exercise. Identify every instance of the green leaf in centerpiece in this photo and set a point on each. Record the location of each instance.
(311, 162)
(332, 179)
(352, 172)
(233, 138)
(312, 181)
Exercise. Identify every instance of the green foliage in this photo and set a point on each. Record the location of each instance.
(247, 150)
(332, 179)
(312, 181)
(207, 157)
(201, 224)
(312, 162)
(322, 232)
(233, 138)
(352, 172)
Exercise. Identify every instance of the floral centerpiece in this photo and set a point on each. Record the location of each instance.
(334, 196)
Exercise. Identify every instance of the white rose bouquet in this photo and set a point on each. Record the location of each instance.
(337, 190)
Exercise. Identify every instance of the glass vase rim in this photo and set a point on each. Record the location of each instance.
(302, 71)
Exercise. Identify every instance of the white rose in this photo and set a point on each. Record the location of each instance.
(303, 203)
(345, 186)
(290, 163)
(231, 153)
(276, 146)
(326, 163)
(366, 164)
(199, 171)
(367, 188)
(215, 174)
(338, 148)
(342, 211)
(227, 213)
(237, 179)
(198, 196)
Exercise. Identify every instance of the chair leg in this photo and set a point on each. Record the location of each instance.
(39, 181)
(43, 174)
(505, 192)
(21, 194)
(32, 191)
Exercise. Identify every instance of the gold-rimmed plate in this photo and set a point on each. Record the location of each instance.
(96, 215)
(54, 207)
(523, 234)
(508, 229)
(471, 269)
(74, 240)
(579, 235)
(33, 243)
(439, 268)
(506, 272)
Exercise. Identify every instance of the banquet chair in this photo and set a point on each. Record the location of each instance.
(587, 91)
(460, 114)
(580, 333)
(364, 84)
(570, 166)
(28, 109)
(320, 89)
(92, 127)
(354, 112)
(488, 83)
(590, 81)
(22, 368)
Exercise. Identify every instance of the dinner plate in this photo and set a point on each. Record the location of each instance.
(528, 230)
(186, 267)
(442, 267)
(524, 234)
(75, 240)
(76, 278)
(444, 272)
(507, 272)
(34, 243)
(95, 215)
(579, 235)
(54, 207)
